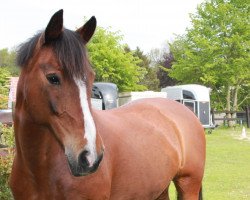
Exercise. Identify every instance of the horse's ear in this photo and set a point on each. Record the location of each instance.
(54, 27)
(88, 29)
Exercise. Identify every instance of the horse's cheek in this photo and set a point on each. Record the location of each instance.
(54, 107)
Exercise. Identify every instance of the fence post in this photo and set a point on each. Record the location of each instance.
(248, 116)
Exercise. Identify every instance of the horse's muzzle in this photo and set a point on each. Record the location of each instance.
(82, 167)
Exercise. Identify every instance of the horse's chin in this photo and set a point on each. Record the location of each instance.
(78, 170)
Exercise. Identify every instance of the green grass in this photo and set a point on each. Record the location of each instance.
(227, 173)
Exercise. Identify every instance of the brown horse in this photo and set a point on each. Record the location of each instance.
(67, 150)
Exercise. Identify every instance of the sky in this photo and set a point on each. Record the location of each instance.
(147, 24)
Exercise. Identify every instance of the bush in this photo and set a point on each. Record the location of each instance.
(5, 170)
(7, 135)
(6, 160)
(4, 87)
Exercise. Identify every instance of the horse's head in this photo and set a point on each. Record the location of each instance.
(55, 88)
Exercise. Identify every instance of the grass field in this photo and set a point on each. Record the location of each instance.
(227, 173)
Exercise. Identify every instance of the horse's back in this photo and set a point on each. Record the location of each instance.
(154, 110)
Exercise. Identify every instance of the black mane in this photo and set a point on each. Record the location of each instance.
(69, 49)
(25, 50)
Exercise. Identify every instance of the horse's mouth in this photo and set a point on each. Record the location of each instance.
(78, 169)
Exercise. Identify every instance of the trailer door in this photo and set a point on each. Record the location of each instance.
(190, 104)
(204, 113)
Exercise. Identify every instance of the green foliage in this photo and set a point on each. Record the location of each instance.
(4, 87)
(161, 61)
(215, 51)
(6, 159)
(163, 72)
(7, 135)
(112, 64)
(7, 60)
(5, 170)
(150, 80)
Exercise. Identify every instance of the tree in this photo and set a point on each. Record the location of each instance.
(215, 52)
(161, 62)
(4, 87)
(112, 63)
(7, 69)
(150, 80)
(8, 60)
(163, 71)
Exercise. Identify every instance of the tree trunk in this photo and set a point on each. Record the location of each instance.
(235, 103)
(228, 105)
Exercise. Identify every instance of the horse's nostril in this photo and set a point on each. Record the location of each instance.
(83, 161)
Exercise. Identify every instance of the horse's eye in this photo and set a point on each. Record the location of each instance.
(53, 79)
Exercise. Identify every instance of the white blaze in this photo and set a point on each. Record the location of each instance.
(90, 129)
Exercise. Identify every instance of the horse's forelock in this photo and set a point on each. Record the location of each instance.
(71, 52)
(69, 49)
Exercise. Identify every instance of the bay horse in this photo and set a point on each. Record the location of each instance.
(65, 149)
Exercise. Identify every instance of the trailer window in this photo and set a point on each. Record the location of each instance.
(188, 95)
(190, 105)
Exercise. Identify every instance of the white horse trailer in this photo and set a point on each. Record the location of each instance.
(126, 97)
(196, 98)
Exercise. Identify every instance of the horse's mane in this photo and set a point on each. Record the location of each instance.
(68, 48)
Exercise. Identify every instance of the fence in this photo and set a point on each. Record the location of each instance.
(241, 116)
